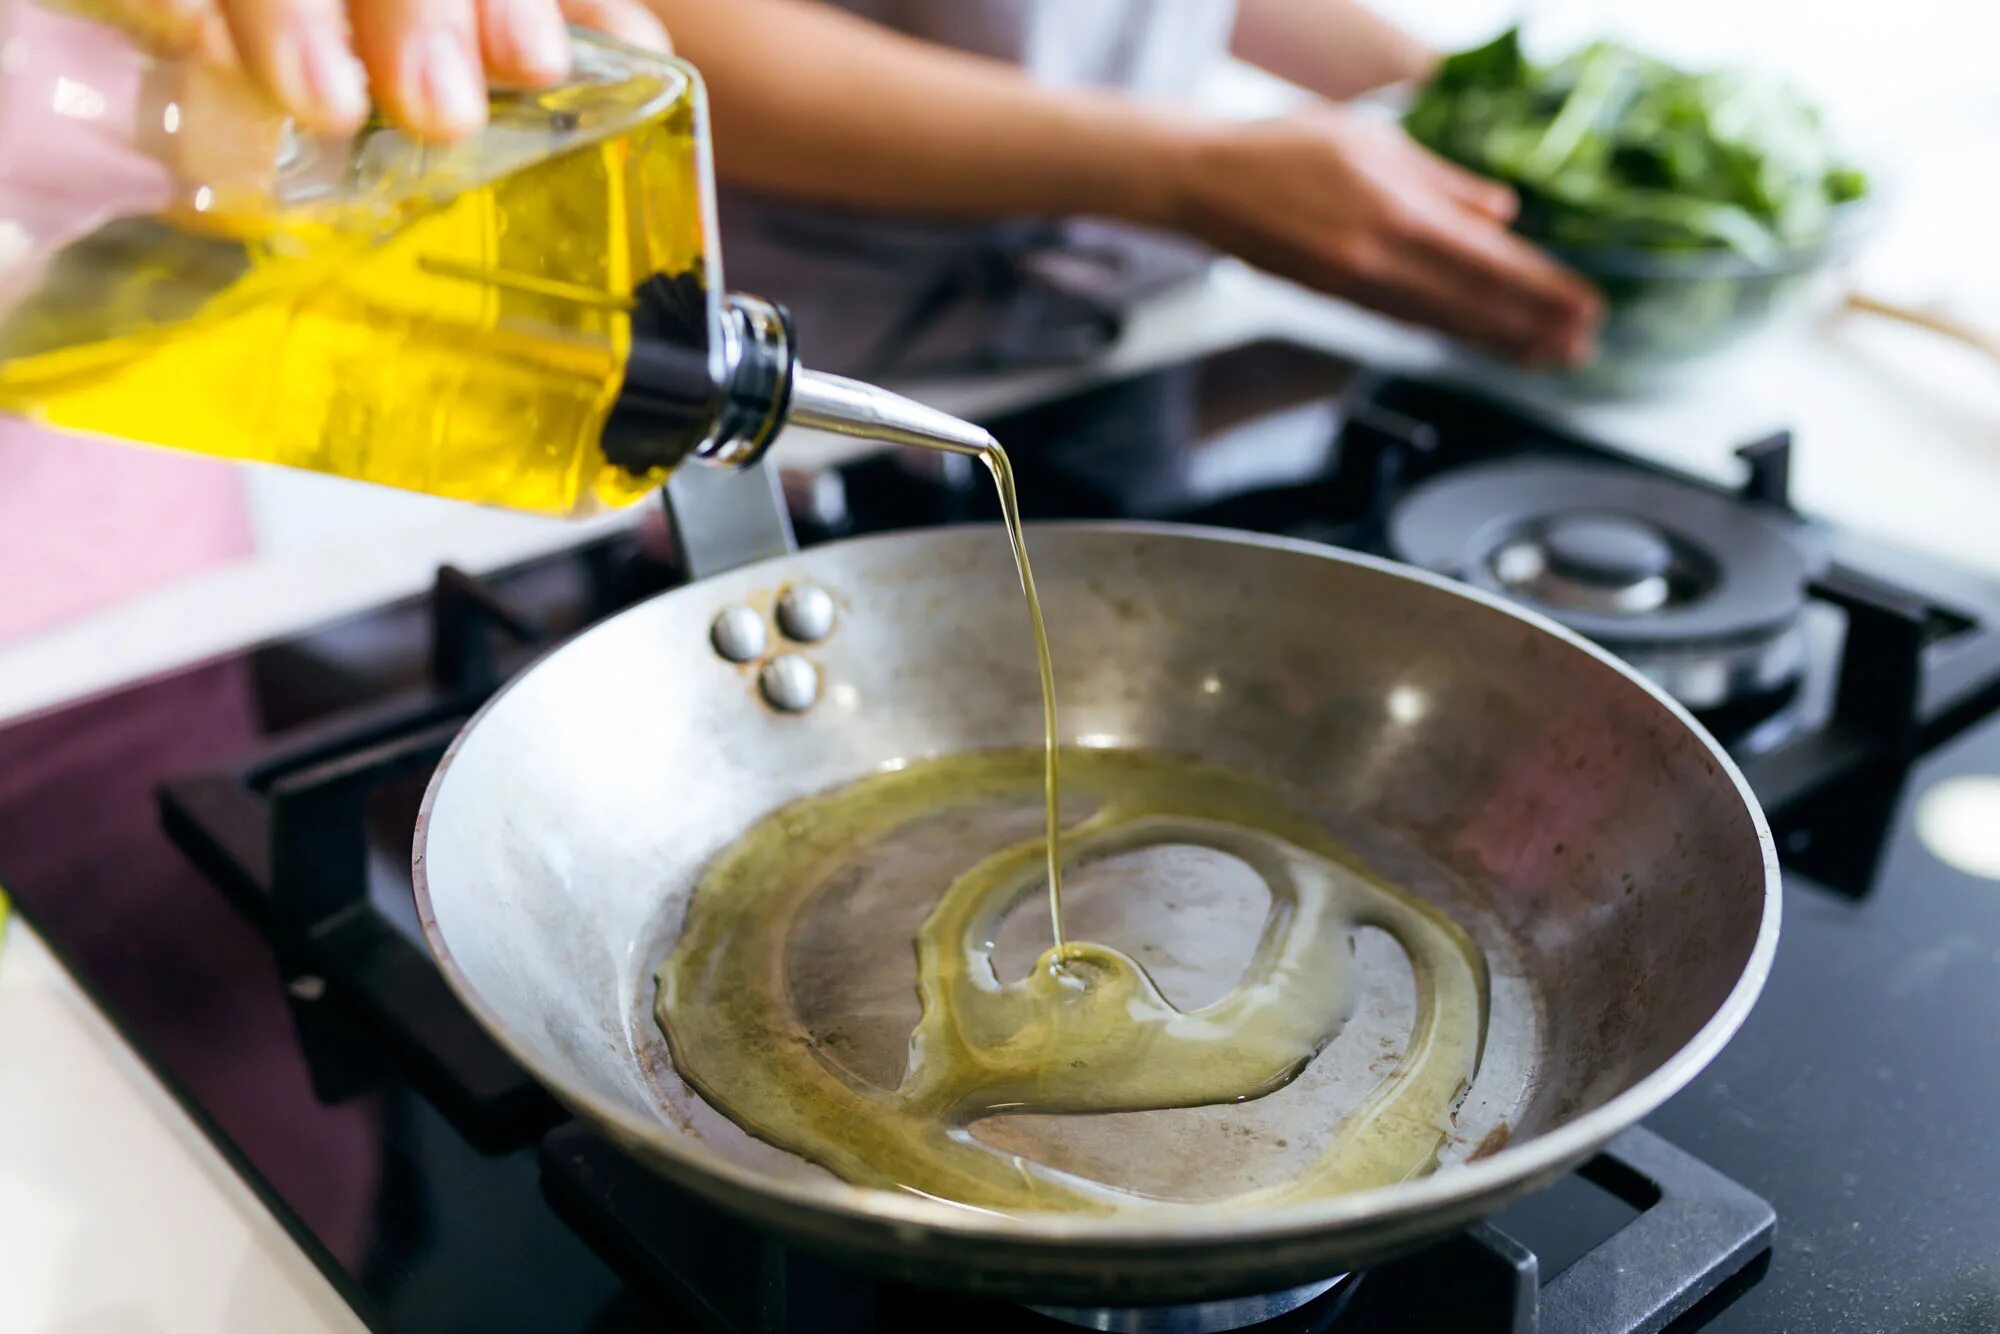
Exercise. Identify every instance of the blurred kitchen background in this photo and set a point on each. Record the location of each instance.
(1898, 430)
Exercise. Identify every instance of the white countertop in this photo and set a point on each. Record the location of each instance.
(115, 1212)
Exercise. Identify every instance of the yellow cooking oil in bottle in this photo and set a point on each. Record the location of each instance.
(454, 319)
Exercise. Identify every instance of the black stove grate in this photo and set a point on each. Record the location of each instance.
(283, 831)
(1692, 1232)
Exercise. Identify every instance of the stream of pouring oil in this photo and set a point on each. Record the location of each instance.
(995, 459)
(1086, 1030)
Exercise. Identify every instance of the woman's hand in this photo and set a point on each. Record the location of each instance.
(1357, 208)
(426, 62)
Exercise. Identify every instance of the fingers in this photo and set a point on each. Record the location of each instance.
(524, 42)
(1430, 265)
(426, 61)
(298, 50)
(423, 59)
(1488, 198)
(1515, 297)
(1426, 293)
(1549, 311)
(627, 20)
(1400, 155)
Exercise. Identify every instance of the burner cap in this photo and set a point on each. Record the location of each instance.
(1613, 550)
(1589, 563)
(1691, 585)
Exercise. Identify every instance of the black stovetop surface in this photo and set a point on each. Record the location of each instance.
(1859, 1098)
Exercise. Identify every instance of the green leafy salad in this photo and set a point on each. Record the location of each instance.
(1608, 147)
(1701, 204)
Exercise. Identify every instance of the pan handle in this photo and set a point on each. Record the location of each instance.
(726, 517)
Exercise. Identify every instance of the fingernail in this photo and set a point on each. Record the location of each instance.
(339, 86)
(448, 91)
(535, 37)
(288, 72)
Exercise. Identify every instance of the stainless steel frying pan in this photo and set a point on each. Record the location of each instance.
(1597, 844)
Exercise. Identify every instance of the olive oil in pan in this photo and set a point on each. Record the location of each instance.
(1087, 1030)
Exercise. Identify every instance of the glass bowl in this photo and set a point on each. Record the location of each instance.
(1668, 311)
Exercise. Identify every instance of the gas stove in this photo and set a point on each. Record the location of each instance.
(220, 857)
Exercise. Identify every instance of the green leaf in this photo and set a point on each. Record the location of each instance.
(1498, 64)
(1843, 184)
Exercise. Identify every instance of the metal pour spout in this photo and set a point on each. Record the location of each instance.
(722, 400)
(841, 406)
(676, 406)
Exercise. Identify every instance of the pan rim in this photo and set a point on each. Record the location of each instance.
(1537, 1157)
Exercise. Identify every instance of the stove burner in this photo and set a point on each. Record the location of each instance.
(1612, 563)
(1699, 591)
(1216, 1317)
(1691, 1232)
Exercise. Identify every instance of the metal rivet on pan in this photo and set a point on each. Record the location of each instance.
(805, 613)
(738, 634)
(789, 682)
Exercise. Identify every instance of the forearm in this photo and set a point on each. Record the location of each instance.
(1336, 48)
(814, 103)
